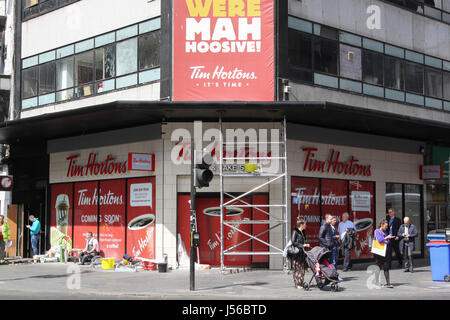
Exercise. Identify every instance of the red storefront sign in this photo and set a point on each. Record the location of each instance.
(141, 162)
(431, 172)
(86, 212)
(223, 50)
(94, 166)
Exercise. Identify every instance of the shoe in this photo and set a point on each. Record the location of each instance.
(412, 271)
(406, 270)
(299, 287)
(344, 270)
(390, 286)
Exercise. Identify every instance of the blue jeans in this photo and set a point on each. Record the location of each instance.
(334, 256)
(34, 243)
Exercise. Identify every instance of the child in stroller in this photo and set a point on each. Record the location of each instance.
(323, 272)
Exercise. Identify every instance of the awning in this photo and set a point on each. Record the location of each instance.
(124, 114)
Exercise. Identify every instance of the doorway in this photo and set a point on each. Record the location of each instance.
(438, 216)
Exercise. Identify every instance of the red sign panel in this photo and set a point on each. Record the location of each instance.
(141, 162)
(86, 213)
(223, 50)
(61, 208)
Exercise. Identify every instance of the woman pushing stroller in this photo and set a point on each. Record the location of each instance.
(298, 260)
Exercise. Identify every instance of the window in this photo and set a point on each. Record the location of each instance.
(105, 62)
(393, 73)
(84, 73)
(372, 66)
(29, 3)
(413, 77)
(447, 86)
(34, 8)
(126, 56)
(149, 45)
(350, 58)
(433, 83)
(326, 56)
(30, 82)
(64, 73)
(300, 55)
(47, 78)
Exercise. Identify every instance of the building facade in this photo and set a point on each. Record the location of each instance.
(103, 88)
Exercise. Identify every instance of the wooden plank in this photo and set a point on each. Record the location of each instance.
(12, 222)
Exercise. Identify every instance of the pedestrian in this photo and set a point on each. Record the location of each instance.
(407, 234)
(298, 260)
(35, 229)
(335, 247)
(382, 236)
(394, 226)
(91, 249)
(347, 235)
(5, 236)
(326, 234)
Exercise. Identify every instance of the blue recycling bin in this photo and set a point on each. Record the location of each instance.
(439, 259)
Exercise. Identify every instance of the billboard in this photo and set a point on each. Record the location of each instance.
(223, 50)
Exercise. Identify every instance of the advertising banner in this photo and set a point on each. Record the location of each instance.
(141, 217)
(61, 209)
(223, 50)
(86, 213)
(305, 195)
(112, 218)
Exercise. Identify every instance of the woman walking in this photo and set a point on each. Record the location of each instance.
(298, 260)
(383, 236)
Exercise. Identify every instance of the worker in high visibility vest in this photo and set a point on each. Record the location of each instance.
(5, 236)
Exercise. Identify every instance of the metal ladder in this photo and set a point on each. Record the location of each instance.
(272, 221)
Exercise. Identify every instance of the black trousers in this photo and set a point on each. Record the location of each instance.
(86, 257)
(395, 244)
(347, 262)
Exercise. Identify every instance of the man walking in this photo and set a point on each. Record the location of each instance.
(334, 249)
(407, 234)
(346, 231)
(394, 226)
(327, 236)
(35, 229)
(5, 236)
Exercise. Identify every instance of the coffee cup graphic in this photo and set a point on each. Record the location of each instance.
(363, 224)
(230, 211)
(141, 234)
(363, 229)
(62, 206)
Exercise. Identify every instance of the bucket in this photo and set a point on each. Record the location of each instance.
(162, 267)
(108, 263)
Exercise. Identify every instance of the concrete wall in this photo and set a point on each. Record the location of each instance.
(82, 20)
(398, 26)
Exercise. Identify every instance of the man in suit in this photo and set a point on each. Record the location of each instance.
(407, 234)
(394, 226)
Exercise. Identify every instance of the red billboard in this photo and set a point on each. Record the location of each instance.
(86, 213)
(62, 208)
(223, 50)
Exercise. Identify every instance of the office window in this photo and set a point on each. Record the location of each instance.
(149, 45)
(126, 56)
(300, 55)
(372, 66)
(105, 62)
(394, 73)
(30, 82)
(47, 78)
(326, 56)
(64, 73)
(84, 67)
(447, 86)
(433, 83)
(350, 62)
(413, 77)
(29, 3)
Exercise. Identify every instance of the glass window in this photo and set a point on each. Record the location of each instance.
(126, 56)
(447, 85)
(325, 32)
(393, 73)
(394, 198)
(30, 82)
(413, 210)
(326, 56)
(433, 83)
(105, 62)
(84, 67)
(300, 50)
(64, 73)
(350, 58)
(372, 66)
(46, 78)
(29, 3)
(149, 45)
(413, 77)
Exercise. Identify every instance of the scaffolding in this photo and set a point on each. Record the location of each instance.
(273, 221)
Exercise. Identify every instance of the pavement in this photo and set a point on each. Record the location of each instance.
(61, 281)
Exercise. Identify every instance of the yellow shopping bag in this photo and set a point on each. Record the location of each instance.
(378, 248)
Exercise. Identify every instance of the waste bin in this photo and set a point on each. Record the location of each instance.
(436, 235)
(162, 267)
(440, 260)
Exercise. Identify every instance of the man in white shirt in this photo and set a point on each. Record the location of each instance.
(91, 249)
(344, 227)
(407, 234)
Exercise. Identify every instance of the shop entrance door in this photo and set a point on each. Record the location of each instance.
(438, 216)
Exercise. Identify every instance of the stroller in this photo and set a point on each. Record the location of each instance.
(323, 271)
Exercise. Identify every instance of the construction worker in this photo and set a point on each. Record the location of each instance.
(5, 236)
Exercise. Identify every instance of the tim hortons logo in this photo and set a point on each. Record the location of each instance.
(334, 164)
(94, 168)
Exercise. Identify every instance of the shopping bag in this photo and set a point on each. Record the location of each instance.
(378, 248)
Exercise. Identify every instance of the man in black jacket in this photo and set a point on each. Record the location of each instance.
(394, 226)
(326, 233)
(407, 234)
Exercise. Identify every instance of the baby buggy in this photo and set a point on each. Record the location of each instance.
(323, 272)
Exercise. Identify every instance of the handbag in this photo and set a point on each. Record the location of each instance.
(378, 248)
(292, 250)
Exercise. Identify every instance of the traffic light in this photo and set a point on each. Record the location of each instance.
(203, 175)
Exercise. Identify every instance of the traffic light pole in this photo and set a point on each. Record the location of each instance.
(192, 220)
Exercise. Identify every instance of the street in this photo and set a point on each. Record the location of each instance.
(57, 281)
